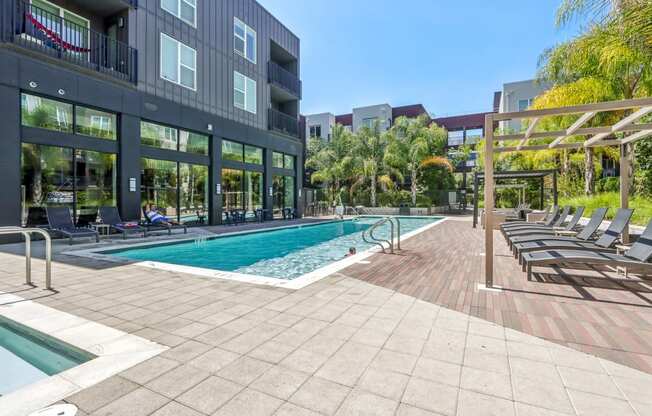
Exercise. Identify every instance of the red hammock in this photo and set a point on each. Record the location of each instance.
(54, 36)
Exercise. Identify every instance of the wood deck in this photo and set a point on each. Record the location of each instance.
(601, 314)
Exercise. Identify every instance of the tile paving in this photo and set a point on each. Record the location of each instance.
(341, 346)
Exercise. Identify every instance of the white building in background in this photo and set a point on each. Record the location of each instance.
(518, 96)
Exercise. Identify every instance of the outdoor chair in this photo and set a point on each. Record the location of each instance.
(60, 221)
(585, 234)
(111, 216)
(542, 229)
(525, 229)
(635, 260)
(548, 218)
(150, 226)
(605, 243)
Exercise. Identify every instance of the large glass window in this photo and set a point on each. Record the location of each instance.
(185, 10)
(315, 131)
(178, 62)
(193, 143)
(45, 113)
(156, 135)
(244, 40)
(82, 180)
(282, 194)
(473, 136)
(456, 138)
(193, 184)
(95, 123)
(288, 192)
(253, 191)
(232, 192)
(242, 190)
(525, 104)
(244, 92)
(253, 155)
(277, 160)
(288, 162)
(232, 151)
(158, 181)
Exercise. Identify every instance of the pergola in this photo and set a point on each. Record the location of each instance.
(524, 174)
(630, 112)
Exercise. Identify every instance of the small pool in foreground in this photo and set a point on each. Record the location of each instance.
(282, 253)
(27, 356)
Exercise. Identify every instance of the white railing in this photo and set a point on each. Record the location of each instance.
(28, 251)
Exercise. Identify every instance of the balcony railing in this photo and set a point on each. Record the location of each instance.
(34, 28)
(284, 79)
(281, 122)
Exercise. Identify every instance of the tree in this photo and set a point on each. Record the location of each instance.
(369, 149)
(410, 142)
(435, 176)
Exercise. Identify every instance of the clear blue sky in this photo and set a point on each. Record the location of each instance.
(449, 55)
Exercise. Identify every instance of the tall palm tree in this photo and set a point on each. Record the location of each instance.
(369, 149)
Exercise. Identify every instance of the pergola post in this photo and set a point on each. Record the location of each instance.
(476, 184)
(555, 197)
(625, 171)
(489, 200)
(541, 196)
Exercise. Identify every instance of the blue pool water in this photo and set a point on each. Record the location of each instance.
(284, 254)
(27, 356)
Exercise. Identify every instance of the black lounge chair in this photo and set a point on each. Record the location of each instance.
(60, 221)
(559, 224)
(525, 229)
(548, 220)
(603, 244)
(150, 226)
(111, 216)
(585, 234)
(635, 260)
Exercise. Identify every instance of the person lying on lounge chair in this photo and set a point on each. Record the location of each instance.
(156, 217)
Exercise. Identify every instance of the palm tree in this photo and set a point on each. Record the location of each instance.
(369, 149)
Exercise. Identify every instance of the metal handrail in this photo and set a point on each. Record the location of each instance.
(28, 251)
(398, 234)
(379, 241)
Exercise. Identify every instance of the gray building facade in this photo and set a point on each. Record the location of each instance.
(188, 105)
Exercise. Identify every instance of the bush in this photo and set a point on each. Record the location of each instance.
(642, 206)
(394, 198)
(608, 185)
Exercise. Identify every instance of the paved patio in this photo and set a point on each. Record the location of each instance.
(340, 346)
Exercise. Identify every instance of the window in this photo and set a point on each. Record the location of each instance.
(253, 155)
(315, 131)
(456, 138)
(185, 10)
(283, 194)
(277, 160)
(156, 135)
(45, 113)
(244, 40)
(473, 136)
(242, 190)
(244, 92)
(370, 122)
(288, 162)
(193, 143)
(95, 123)
(232, 151)
(178, 62)
(525, 104)
(193, 192)
(73, 29)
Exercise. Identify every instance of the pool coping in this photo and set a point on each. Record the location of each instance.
(114, 351)
(299, 282)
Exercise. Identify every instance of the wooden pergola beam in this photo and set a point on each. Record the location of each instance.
(573, 128)
(585, 131)
(636, 136)
(620, 126)
(529, 131)
(560, 146)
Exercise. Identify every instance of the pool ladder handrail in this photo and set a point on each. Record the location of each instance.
(28, 251)
(379, 241)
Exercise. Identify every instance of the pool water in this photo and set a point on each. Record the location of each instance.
(284, 254)
(27, 356)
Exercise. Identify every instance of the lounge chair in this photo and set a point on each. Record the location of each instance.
(603, 244)
(111, 216)
(525, 229)
(60, 221)
(548, 219)
(585, 234)
(635, 260)
(558, 225)
(150, 226)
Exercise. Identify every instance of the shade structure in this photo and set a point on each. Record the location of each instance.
(524, 174)
(624, 129)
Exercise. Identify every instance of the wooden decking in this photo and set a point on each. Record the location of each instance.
(601, 314)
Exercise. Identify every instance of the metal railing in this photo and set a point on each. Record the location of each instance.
(284, 78)
(369, 238)
(28, 251)
(37, 29)
(284, 123)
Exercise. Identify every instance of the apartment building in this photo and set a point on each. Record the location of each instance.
(518, 96)
(321, 124)
(190, 105)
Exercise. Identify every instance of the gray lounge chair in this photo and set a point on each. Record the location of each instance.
(60, 222)
(636, 259)
(150, 226)
(549, 222)
(603, 244)
(548, 218)
(559, 225)
(585, 234)
(111, 216)
(528, 229)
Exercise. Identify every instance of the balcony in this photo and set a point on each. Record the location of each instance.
(283, 123)
(38, 30)
(288, 83)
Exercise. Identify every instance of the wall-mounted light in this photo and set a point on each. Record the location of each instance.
(121, 22)
(33, 84)
(209, 127)
(61, 91)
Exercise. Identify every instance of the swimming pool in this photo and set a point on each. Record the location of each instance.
(280, 254)
(27, 356)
